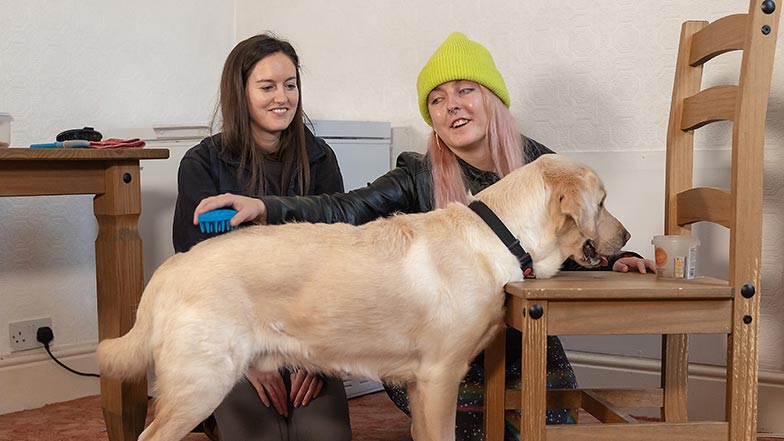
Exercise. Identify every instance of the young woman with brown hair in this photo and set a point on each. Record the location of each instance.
(263, 149)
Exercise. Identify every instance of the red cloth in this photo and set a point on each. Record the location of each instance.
(116, 143)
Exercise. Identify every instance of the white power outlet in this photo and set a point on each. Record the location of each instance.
(23, 334)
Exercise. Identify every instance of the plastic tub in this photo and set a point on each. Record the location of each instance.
(5, 129)
(676, 256)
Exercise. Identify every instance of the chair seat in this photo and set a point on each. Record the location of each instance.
(605, 303)
(607, 285)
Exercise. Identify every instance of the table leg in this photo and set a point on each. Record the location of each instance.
(120, 281)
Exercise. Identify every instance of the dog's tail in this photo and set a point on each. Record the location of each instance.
(127, 357)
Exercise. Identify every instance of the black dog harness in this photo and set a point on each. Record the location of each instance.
(506, 236)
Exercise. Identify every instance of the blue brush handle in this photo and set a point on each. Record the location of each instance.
(216, 221)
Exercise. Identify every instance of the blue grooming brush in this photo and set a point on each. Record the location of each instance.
(216, 221)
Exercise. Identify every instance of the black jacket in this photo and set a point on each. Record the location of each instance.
(208, 170)
(408, 188)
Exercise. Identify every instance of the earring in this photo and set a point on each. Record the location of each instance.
(438, 143)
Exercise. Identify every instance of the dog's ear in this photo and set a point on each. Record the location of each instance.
(575, 201)
(575, 193)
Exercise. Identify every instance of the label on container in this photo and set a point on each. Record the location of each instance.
(692, 263)
(678, 267)
(661, 257)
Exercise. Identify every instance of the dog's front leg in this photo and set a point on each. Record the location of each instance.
(433, 404)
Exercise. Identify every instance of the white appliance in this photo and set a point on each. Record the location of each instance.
(363, 149)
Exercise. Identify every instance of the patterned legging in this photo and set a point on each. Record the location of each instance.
(560, 375)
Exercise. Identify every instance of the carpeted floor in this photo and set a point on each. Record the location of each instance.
(373, 418)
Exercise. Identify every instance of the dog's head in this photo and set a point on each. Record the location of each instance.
(585, 230)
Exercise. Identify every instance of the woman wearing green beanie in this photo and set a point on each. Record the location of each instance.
(474, 143)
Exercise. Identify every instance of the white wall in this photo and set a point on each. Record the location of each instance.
(589, 79)
(69, 64)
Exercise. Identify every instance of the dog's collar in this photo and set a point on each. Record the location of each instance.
(506, 236)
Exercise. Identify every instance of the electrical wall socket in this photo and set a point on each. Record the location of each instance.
(23, 334)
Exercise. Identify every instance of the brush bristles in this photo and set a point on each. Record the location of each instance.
(216, 221)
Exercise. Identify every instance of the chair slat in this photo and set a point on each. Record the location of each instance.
(702, 431)
(723, 35)
(605, 411)
(631, 397)
(573, 398)
(704, 204)
(710, 105)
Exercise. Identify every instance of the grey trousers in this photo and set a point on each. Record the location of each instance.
(243, 417)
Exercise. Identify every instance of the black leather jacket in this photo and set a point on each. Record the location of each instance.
(408, 188)
(208, 170)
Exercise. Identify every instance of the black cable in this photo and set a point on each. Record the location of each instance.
(46, 335)
(46, 345)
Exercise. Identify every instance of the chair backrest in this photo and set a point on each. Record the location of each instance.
(740, 208)
(745, 104)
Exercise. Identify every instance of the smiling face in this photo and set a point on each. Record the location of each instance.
(272, 95)
(459, 115)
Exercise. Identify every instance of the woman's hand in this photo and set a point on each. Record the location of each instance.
(624, 264)
(271, 389)
(305, 386)
(248, 209)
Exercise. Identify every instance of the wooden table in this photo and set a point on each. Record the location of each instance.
(113, 176)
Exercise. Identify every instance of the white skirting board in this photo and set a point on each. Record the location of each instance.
(31, 379)
(34, 380)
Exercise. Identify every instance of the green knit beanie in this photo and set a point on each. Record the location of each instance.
(459, 58)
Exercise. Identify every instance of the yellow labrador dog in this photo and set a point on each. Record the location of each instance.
(409, 299)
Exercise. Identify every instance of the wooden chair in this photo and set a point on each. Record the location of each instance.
(603, 303)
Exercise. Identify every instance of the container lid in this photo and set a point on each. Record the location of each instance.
(6, 116)
(675, 239)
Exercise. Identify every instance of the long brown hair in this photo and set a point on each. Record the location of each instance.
(236, 134)
(503, 140)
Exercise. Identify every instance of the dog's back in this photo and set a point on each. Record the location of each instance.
(313, 282)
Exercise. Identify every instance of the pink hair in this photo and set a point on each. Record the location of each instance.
(506, 152)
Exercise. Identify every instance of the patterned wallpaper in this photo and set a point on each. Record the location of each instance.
(589, 79)
(69, 64)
